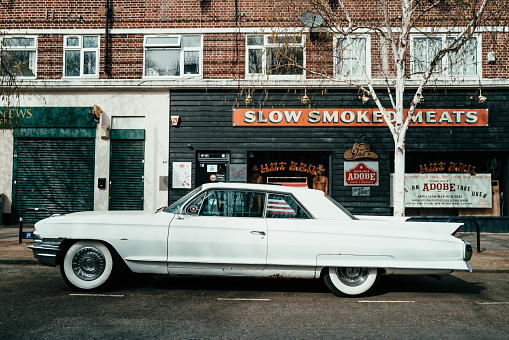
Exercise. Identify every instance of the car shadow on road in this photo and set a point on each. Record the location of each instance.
(444, 284)
(447, 284)
(221, 284)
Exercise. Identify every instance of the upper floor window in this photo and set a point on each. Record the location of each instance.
(19, 56)
(351, 54)
(465, 62)
(275, 55)
(81, 56)
(172, 55)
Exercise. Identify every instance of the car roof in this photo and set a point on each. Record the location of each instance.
(262, 187)
(313, 200)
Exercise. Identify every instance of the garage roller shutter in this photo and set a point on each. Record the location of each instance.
(126, 174)
(57, 174)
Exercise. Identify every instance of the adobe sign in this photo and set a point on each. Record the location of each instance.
(361, 174)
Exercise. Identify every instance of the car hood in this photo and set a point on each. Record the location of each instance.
(106, 218)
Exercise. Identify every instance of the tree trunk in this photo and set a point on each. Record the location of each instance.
(398, 182)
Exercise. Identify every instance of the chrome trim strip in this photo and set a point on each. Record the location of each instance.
(46, 253)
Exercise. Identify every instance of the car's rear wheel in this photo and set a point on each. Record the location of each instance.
(89, 265)
(351, 281)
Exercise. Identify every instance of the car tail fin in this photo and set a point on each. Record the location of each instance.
(457, 229)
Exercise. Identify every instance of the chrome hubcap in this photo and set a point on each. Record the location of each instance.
(352, 276)
(88, 263)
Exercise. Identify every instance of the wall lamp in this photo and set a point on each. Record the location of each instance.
(249, 99)
(481, 98)
(305, 99)
(364, 98)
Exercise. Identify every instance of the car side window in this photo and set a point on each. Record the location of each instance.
(229, 203)
(284, 206)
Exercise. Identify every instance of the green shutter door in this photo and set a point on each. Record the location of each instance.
(126, 174)
(57, 174)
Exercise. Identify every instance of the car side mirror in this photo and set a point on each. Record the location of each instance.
(180, 213)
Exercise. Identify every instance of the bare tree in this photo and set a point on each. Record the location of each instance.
(9, 87)
(391, 23)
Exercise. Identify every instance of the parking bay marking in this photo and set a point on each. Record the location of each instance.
(494, 303)
(383, 301)
(97, 295)
(241, 299)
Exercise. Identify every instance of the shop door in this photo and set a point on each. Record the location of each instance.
(212, 167)
(57, 174)
(126, 174)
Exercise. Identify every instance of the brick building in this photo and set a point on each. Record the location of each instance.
(130, 104)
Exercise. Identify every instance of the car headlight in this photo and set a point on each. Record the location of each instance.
(468, 251)
(36, 237)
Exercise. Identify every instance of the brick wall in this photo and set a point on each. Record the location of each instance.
(223, 53)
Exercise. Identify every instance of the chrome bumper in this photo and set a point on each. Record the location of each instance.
(46, 252)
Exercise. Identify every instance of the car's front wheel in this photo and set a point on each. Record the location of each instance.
(351, 281)
(89, 265)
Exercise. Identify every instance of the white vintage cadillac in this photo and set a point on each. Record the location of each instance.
(253, 230)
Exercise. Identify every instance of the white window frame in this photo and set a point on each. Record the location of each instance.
(266, 45)
(177, 46)
(446, 65)
(337, 57)
(23, 48)
(82, 55)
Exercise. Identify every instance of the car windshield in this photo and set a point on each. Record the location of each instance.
(174, 207)
(341, 207)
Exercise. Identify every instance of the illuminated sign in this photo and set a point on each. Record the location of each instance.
(355, 117)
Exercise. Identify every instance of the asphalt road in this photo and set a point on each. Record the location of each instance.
(35, 303)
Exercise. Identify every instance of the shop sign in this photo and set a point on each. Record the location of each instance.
(361, 191)
(361, 173)
(291, 166)
(47, 117)
(447, 191)
(452, 167)
(356, 117)
(358, 151)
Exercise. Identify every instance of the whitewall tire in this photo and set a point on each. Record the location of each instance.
(89, 265)
(351, 281)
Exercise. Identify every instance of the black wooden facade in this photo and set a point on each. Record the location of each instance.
(206, 125)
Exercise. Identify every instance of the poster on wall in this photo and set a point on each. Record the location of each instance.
(447, 191)
(238, 172)
(361, 174)
(181, 175)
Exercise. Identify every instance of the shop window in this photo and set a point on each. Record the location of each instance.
(229, 204)
(172, 56)
(275, 55)
(282, 206)
(19, 56)
(81, 56)
(346, 62)
(463, 63)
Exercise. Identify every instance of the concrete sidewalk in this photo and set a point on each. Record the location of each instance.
(493, 258)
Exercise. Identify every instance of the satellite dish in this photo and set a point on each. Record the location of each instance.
(311, 19)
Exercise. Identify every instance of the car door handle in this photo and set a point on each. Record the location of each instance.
(255, 232)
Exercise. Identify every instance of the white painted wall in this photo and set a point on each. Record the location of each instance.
(6, 154)
(148, 109)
